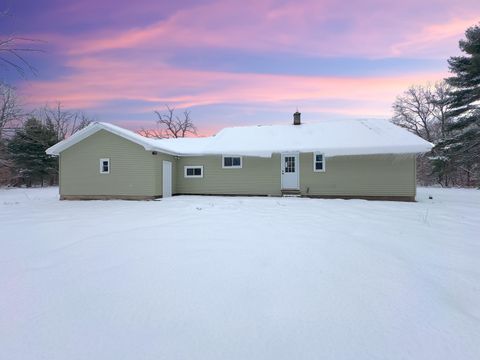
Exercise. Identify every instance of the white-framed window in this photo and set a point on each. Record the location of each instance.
(105, 166)
(231, 162)
(318, 162)
(193, 171)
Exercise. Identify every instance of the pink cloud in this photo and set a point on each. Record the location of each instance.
(435, 39)
(312, 27)
(96, 82)
(98, 76)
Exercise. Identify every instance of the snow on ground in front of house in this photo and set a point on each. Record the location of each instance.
(239, 278)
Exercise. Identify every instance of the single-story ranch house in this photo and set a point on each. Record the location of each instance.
(369, 159)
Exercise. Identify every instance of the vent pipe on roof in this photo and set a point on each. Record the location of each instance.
(296, 118)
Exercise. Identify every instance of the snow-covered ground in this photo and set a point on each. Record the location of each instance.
(239, 278)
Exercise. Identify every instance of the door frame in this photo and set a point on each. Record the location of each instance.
(167, 192)
(297, 169)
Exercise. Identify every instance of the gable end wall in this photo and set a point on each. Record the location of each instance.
(134, 172)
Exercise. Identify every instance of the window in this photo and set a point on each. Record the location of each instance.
(231, 162)
(289, 164)
(318, 162)
(104, 166)
(193, 171)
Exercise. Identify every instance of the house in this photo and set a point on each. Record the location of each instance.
(368, 159)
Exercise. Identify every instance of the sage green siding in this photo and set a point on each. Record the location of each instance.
(133, 170)
(137, 172)
(258, 176)
(365, 175)
(361, 175)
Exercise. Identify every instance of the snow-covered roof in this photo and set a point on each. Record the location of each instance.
(92, 128)
(331, 137)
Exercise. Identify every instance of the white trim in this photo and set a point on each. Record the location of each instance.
(101, 165)
(315, 160)
(232, 167)
(185, 168)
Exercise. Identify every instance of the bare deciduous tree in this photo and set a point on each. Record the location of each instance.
(413, 110)
(10, 109)
(13, 48)
(424, 111)
(441, 109)
(65, 122)
(10, 115)
(170, 125)
(11, 53)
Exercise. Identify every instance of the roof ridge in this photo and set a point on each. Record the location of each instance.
(352, 137)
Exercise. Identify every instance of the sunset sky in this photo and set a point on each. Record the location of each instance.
(234, 62)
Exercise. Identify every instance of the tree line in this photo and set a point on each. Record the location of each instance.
(447, 114)
(24, 137)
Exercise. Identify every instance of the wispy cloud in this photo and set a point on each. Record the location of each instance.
(435, 39)
(312, 27)
(105, 81)
(218, 53)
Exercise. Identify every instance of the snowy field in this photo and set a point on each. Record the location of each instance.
(239, 278)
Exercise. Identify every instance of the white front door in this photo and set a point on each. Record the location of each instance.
(167, 179)
(290, 167)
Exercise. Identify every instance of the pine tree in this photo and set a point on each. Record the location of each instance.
(464, 146)
(27, 151)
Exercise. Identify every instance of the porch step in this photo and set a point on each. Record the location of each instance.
(291, 193)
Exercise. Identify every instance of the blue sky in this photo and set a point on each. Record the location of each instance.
(230, 62)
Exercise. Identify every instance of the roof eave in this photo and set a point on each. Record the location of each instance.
(56, 149)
